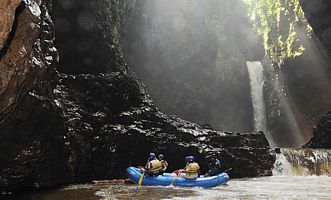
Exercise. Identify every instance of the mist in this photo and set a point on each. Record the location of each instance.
(192, 57)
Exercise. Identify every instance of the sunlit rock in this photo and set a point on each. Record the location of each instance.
(7, 17)
(32, 132)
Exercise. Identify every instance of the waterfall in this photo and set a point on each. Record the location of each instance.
(255, 70)
(303, 162)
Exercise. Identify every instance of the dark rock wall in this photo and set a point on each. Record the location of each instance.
(107, 136)
(322, 134)
(57, 128)
(318, 15)
(85, 28)
(33, 137)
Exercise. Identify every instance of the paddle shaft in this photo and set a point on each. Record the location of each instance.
(227, 170)
(172, 183)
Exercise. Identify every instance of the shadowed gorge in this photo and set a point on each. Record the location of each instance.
(89, 88)
(84, 124)
(192, 57)
(193, 60)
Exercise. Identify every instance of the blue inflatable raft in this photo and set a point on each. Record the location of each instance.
(165, 180)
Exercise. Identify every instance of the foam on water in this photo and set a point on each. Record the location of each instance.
(303, 162)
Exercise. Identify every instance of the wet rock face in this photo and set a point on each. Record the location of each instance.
(7, 16)
(23, 58)
(74, 128)
(318, 15)
(33, 140)
(322, 133)
(107, 137)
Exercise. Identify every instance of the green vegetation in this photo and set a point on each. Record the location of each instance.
(278, 21)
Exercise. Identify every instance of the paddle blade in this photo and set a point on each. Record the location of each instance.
(141, 179)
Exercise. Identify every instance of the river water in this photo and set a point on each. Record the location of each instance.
(275, 187)
(295, 177)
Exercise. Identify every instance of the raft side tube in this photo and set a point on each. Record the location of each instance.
(135, 173)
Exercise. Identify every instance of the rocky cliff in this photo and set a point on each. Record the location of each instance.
(93, 118)
(33, 135)
(318, 15)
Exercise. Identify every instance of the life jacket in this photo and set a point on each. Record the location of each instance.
(155, 166)
(164, 165)
(192, 170)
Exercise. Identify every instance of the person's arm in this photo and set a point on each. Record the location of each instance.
(149, 166)
(164, 165)
(146, 166)
(187, 168)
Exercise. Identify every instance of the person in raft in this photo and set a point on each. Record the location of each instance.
(192, 168)
(214, 166)
(153, 165)
(164, 163)
(181, 172)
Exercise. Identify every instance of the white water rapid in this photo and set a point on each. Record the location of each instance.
(255, 71)
(303, 162)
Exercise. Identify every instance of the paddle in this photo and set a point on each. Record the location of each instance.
(172, 182)
(227, 170)
(141, 177)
